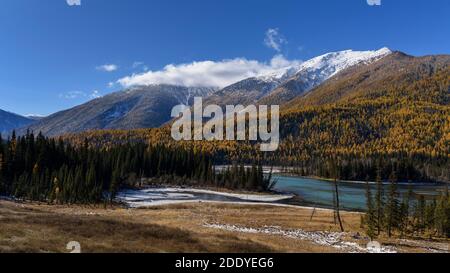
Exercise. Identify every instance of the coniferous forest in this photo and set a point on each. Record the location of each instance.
(45, 169)
(56, 171)
(414, 215)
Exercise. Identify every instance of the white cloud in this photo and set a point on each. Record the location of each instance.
(279, 62)
(73, 2)
(274, 39)
(374, 2)
(107, 67)
(208, 73)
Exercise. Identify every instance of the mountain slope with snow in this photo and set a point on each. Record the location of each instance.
(150, 106)
(314, 72)
(395, 72)
(286, 83)
(250, 90)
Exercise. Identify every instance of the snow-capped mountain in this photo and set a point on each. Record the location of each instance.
(326, 66)
(280, 75)
(396, 69)
(150, 106)
(314, 72)
(286, 83)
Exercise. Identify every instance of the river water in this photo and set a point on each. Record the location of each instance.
(314, 192)
(293, 190)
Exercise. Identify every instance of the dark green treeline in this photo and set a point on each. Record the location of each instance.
(409, 215)
(50, 170)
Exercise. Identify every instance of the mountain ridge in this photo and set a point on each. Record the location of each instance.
(136, 107)
(150, 106)
(10, 121)
(284, 84)
(394, 70)
(316, 71)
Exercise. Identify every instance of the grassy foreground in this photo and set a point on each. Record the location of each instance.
(180, 228)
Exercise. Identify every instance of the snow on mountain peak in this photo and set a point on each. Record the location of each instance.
(325, 66)
(281, 74)
(335, 62)
(321, 68)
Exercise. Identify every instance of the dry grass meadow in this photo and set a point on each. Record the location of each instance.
(31, 227)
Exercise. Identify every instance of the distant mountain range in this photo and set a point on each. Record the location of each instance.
(10, 121)
(324, 79)
(136, 107)
(35, 117)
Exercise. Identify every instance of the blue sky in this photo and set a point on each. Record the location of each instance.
(54, 56)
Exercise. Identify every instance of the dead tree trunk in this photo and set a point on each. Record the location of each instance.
(338, 214)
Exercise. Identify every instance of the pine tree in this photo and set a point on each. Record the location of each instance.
(54, 194)
(115, 182)
(370, 215)
(404, 213)
(379, 203)
(91, 184)
(392, 206)
(420, 214)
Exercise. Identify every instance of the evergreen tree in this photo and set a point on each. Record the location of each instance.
(405, 212)
(379, 204)
(370, 215)
(420, 214)
(115, 182)
(39, 168)
(392, 206)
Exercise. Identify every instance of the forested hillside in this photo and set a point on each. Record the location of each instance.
(49, 170)
(392, 115)
(376, 117)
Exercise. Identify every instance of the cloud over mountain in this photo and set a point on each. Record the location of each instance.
(208, 73)
(274, 39)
